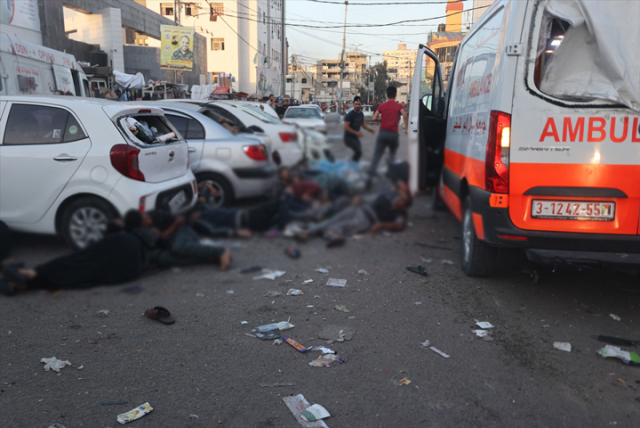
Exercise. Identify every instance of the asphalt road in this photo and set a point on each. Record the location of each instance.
(205, 365)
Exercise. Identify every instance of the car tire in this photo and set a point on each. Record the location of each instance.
(437, 203)
(84, 222)
(221, 184)
(478, 259)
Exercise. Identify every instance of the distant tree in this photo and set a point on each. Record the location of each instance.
(382, 81)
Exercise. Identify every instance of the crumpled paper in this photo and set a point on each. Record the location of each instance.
(54, 364)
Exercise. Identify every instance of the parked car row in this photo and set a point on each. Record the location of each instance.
(69, 165)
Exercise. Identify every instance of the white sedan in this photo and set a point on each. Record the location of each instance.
(306, 117)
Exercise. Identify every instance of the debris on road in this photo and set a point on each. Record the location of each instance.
(630, 358)
(533, 274)
(57, 426)
(405, 381)
(104, 311)
(54, 364)
(563, 346)
(270, 274)
(308, 281)
(314, 413)
(160, 314)
(420, 270)
(193, 417)
(342, 308)
(337, 282)
(113, 403)
(336, 333)
(292, 252)
(322, 349)
(295, 344)
(282, 325)
(134, 414)
(277, 342)
(426, 260)
(437, 351)
(484, 324)
(276, 385)
(298, 404)
(244, 322)
(616, 341)
(417, 303)
(447, 262)
(294, 292)
(363, 272)
(273, 294)
(425, 343)
(480, 333)
(251, 269)
(322, 270)
(324, 360)
(615, 317)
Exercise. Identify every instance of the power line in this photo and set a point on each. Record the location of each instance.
(385, 4)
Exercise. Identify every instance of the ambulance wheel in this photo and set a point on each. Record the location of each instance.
(477, 257)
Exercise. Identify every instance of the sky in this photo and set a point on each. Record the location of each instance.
(312, 44)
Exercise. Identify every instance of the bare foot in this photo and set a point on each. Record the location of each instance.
(225, 260)
(243, 233)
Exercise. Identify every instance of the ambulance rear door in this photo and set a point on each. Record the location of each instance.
(575, 137)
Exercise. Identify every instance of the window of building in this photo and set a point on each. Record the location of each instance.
(216, 9)
(166, 9)
(191, 9)
(304, 80)
(217, 43)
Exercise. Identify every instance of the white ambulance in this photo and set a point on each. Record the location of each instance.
(27, 68)
(533, 142)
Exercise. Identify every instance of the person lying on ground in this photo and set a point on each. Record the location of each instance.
(303, 195)
(385, 211)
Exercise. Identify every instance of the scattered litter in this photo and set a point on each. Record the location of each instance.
(193, 416)
(615, 317)
(251, 269)
(480, 333)
(617, 341)
(533, 274)
(425, 343)
(295, 344)
(309, 306)
(337, 282)
(292, 252)
(308, 281)
(417, 303)
(322, 270)
(113, 403)
(54, 364)
(104, 311)
(134, 414)
(341, 360)
(267, 335)
(314, 413)
(80, 368)
(630, 358)
(270, 274)
(447, 262)
(484, 324)
(133, 289)
(294, 292)
(336, 333)
(230, 291)
(322, 349)
(298, 404)
(563, 346)
(275, 385)
(426, 260)
(324, 360)
(342, 308)
(277, 342)
(282, 325)
(363, 272)
(199, 295)
(273, 294)
(437, 351)
(405, 381)
(57, 426)
(420, 270)
(244, 322)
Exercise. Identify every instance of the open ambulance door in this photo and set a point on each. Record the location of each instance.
(427, 122)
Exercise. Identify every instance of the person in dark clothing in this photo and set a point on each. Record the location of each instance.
(352, 123)
(5, 241)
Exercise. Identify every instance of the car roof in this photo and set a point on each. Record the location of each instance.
(174, 105)
(70, 101)
(305, 106)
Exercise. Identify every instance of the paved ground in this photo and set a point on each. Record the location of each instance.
(205, 365)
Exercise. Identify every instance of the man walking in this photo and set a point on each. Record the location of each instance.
(388, 136)
(352, 123)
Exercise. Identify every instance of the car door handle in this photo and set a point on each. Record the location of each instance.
(192, 149)
(65, 158)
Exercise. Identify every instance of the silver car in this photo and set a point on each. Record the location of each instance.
(237, 166)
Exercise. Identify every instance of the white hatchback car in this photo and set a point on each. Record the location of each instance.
(69, 165)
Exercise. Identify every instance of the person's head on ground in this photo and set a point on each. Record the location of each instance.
(284, 173)
(402, 202)
(392, 91)
(294, 177)
(133, 219)
(402, 187)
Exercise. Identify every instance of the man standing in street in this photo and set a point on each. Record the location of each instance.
(388, 136)
(352, 123)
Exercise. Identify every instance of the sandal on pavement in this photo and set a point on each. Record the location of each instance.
(160, 314)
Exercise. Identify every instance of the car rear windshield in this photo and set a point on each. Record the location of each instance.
(259, 114)
(148, 130)
(302, 113)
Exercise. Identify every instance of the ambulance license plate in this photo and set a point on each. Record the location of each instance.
(573, 210)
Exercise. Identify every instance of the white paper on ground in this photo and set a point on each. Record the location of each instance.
(270, 274)
(322, 349)
(437, 351)
(480, 333)
(315, 413)
(615, 317)
(337, 282)
(484, 324)
(308, 281)
(563, 346)
(54, 364)
(322, 270)
(298, 404)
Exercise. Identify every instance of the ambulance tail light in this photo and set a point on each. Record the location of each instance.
(497, 160)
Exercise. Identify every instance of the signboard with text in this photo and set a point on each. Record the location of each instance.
(21, 13)
(176, 48)
(268, 81)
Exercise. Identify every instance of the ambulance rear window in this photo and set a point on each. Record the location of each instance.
(552, 33)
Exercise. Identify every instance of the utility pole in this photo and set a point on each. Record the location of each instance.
(344, 39)
(176, 20)
(368, 78)
(284, 58)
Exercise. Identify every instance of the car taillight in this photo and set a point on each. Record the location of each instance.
(287, 137)
(142, 205)
(124, 159)
(497, 159)
(257, 152)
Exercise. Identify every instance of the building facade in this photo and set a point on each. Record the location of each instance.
(477, 13)
(243, 38)
(327, 80)
(400, 66)
(445, 42)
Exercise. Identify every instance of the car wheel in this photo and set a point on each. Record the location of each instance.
(84, 222)
(222, 186)
(478, 257)
(437, 203)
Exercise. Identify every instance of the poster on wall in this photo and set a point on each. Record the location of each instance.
(268, 82)
(21, 13)
(176, 48)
